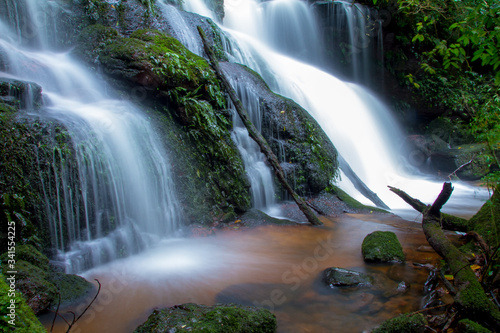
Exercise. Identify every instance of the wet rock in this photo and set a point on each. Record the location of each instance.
(20, 94)
(339, 277)
(449, 160)
(382, 246)
(200, 318)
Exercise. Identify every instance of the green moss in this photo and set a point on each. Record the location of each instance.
(468, 326)
(31, 255)
(25, 320)
(403, 323)
(486, 221)
(218, 318)
(71, 287)
(382, 246)
(209, 174)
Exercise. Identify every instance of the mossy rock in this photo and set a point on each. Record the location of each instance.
(31, 282)
(72, 288)
(468, 326)
(25, 320)
(403, 323)
(218, 318)
(382, 247)
(29, 254)
(339, 277)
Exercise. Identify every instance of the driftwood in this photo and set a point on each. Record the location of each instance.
(255, 134)
(471, 298)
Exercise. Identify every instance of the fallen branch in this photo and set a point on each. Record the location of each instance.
(448, 222)
(255, 134)
(471, 298)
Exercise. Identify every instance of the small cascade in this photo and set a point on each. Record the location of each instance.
(258, 172)
(119, 197)
(179, 29)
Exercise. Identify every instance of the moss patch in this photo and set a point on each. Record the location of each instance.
(468, 326)
(199, 318)
(486, 221)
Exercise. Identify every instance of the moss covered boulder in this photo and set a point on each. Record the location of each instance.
(339, 277)
(21, 319)
(382, 247)
(218, 318)
(403, 323)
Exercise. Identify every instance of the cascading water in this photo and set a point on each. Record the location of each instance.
(126, 195)
(258, 172)
(358, 124)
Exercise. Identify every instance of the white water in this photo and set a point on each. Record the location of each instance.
(258, 172)
(359, 125)
(126, 197)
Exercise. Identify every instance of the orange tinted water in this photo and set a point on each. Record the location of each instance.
(275, 267)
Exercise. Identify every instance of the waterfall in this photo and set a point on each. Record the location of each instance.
(126, 198)
(358, 124)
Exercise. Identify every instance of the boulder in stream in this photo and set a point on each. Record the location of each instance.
(192, 317)
(339, 277)
(382, 247)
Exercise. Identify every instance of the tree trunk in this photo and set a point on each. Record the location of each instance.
(471, 298)
(256, 135)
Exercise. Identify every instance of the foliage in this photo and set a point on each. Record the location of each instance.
(457, 47)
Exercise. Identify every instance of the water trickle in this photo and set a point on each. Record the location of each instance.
(179, 29)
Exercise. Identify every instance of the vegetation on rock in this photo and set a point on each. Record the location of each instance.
(24, 319)
(382, 246)
(199, 318)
